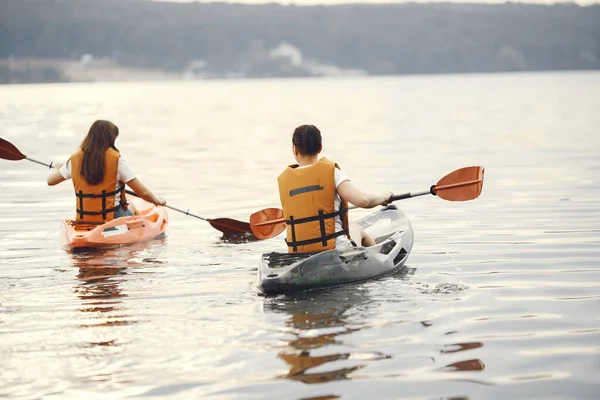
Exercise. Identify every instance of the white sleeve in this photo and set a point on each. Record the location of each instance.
(125, 173)
(65, 170)
(339, 177)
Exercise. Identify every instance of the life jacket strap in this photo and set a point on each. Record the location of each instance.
(323, 238)
(85, 222)
(82, 195)
(106, 210)
(104, 196)
(321, 216)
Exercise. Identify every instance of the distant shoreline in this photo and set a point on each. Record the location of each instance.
(53, 70)
(30, 71)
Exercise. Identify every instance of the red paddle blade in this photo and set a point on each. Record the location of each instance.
(263, 223)
(9, 152)
(230, 226)
(461, 185)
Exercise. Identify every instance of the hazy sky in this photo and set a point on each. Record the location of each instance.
(310, 2)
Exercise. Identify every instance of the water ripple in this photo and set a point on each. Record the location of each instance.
(502, 297)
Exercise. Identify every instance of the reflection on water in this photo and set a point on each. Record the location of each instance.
(101, 274)
(238, 237)
(454, 348)
(466, 365)
(120, 323)
(100, 291)
(300, 363)
(318, 321)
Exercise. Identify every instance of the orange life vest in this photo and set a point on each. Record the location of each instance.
(96, 203)
(307, 198)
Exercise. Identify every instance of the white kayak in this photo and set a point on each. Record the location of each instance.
(288, 272)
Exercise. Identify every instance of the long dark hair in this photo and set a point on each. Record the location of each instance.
(101, 137)
(307, 139)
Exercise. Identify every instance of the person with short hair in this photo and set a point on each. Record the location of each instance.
(314, 196)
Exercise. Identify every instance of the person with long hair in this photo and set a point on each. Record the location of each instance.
(314, 195)
(99, 176)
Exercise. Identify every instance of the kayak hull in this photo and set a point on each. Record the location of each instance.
(151, 223)
(287, 273)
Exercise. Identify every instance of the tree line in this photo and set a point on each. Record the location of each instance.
(378, 39)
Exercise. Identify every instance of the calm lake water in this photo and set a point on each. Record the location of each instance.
(503, 303)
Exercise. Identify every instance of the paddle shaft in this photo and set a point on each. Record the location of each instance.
(392, 199)
(39, 162)
(432, 190)
(462, 184)
(128, 192)
(131, 192)
(8, 151)
(411, 194)
(50, 166)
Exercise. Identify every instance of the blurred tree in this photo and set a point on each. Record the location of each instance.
(236, 38)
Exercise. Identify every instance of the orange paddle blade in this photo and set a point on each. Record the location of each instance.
(461, 185)
(9, 152)
(267, 223)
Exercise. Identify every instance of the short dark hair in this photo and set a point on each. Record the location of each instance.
(307, 139)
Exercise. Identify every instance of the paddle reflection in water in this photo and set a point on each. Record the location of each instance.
(238, 238)
(326, 324)
(319, 320)
(474, 364)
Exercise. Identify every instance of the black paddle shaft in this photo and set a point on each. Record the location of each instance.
(412, 194)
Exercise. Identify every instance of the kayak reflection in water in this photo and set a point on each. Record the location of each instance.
(314, 196)
(99, 175)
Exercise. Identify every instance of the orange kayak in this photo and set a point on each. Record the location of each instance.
(150, 224)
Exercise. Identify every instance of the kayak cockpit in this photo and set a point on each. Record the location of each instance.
(288, 272)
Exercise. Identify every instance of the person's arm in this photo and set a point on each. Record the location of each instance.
(125, 174)
(354, 195)
(141, 190)
(56, 176)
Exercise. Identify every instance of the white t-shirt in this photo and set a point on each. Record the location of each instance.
(124, 174)
(339, 176)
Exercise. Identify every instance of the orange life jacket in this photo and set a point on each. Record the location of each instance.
(96, 203)
(307, 198)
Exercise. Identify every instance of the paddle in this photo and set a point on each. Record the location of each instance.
(464, 184)
(229, 226)
(226, 225)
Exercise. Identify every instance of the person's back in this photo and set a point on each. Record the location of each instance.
(96, 201)
(308, 197)
(314, 196)
(99, 176)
